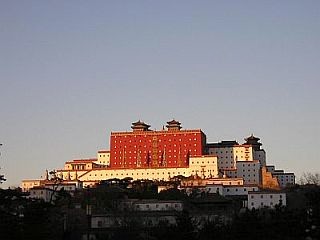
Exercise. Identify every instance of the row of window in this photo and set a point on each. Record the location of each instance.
(157, 206)
(160, 157)
(145, 151)
(201, 162)
(262, 204)
(159, 140)
(145, 146)
(228, 190)
(248, 170)
(248, 175)
(134, 163)
(132, 174)
(217, 152)
(152, 173)
(125, 136)
(261, 196)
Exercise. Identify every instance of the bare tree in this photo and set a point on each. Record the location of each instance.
(56, 181)
(310, 178)
(2, 178)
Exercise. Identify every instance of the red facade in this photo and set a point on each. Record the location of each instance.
(143, 148)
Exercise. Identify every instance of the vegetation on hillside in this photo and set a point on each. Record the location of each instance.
(65, 217)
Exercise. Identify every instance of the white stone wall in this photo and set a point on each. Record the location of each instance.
(285, 179)
(226, 181)
(270, 169)
(42, 193)
(204, 166)
(109, 221)
(249, 171)
(227, 156)
(158, 206)
(103, 158)
(214, 189)
(232, 190)
(26, 185)
(266, 199)
(260, 155)
(238, 190)
(70, 174)
(243, 153)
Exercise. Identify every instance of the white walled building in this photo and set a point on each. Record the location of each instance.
(248, 170)
(149, 212)
(69, 186)
(205, 166)
(239, 190)
(46, 194)
(232, 190)
(153, 205)
(103, 157)
(266, 199)
(26, 185)
(224, 181)
(223, 190)
(145, 218)
(284, 179)
(230, 152)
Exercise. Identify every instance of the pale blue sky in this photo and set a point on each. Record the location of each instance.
(72, 71)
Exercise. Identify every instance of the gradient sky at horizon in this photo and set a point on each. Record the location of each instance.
(73, 71)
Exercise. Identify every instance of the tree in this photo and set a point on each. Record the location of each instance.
(310, 178)
(56, 181)
(185, 227)
(2, 178)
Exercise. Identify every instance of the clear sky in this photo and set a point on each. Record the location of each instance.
(73, 71)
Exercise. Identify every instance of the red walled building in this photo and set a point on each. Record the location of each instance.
(143, 148)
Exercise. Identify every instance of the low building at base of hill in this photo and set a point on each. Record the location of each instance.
(146, 213)
(43, 193)
(153, 205)
(69, 186)
(263, 199)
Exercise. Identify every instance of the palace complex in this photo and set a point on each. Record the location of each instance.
(162, 155)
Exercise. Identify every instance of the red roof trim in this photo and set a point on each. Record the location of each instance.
(104, 151)
(83, 160)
